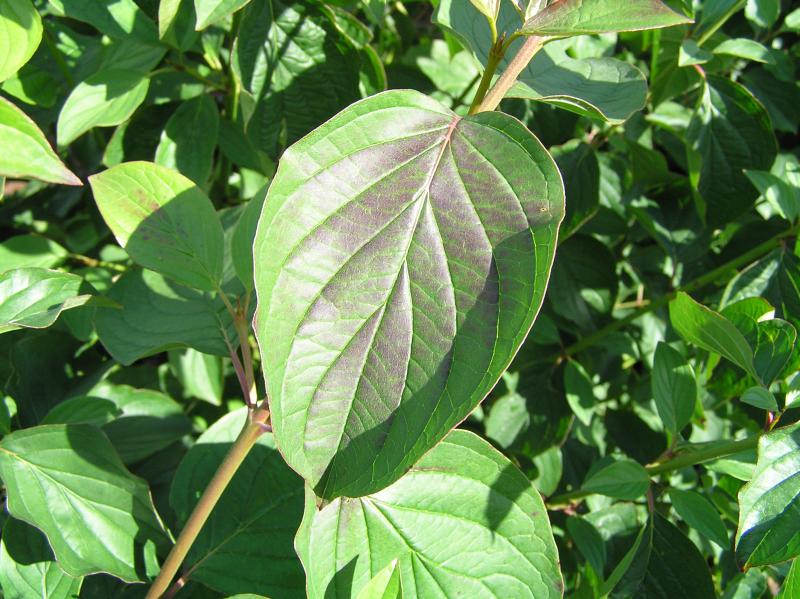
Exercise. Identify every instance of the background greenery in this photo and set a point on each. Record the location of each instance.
(640, 406)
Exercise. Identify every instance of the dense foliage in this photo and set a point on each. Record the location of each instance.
(523, 325)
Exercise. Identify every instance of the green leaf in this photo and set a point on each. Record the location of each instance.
(745, 314)
(163, 220)
(20, 34)
(298, 67)
(781, 194)
(580, 392)
(691, 54)
(791, 584)
(263, 502)
(621, 479)
(697, 512)
(674, 388)
(67, 481)
(748, 585)
(158, 315)
(462, 491)
(585, 17)
(711, 331)
(27, 567)
(763, 13)
(509, 414)
(444, 220)
(105, 99)
(30, 251)
(189, 139)
(117, 19)
(729, 132)
(243, 237)
(82, 410)
(25, 152)
(36, 297)
(176, 22)
(384, 585)
(760, 398)
(580, 170)
(666, 565)
(201, 375)
(588, 541)
(776, 344)
(742, 47)
(210, 12)
(602, 88)
(149, 421)
(769, 505)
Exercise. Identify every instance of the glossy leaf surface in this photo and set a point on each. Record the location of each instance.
(769, 505)
(105, 99)
(32, 158)
(163, 220)
(20, 34)
(61, 477)
(28, 569)
(580, 17)
(711, 331)
(35, 297)
(212, 11)
(432, 238)
(158, 315)
(463, 494)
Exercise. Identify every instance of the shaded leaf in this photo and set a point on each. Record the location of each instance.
(189, 139)
(158, 315)
(263, 501)
(28, 569)
(68, 481)
(163, 220)
(729, 132)
(700, 514)
(674, 388)
(462, 490)
(622, 479)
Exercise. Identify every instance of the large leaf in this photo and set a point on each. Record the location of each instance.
(729, 132)
(189, 138)
(769, 505)
(35, 297)
(212, 11)
(105, 99)
(28, 569)
(600, 87)
(711, 331)
(463, 522)
(163, 220)
(20, 34)
(67, 480)
(263, 502)
(403, 253)
(579, 17)
(298, 67)
(25, 152)
(158, 315)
